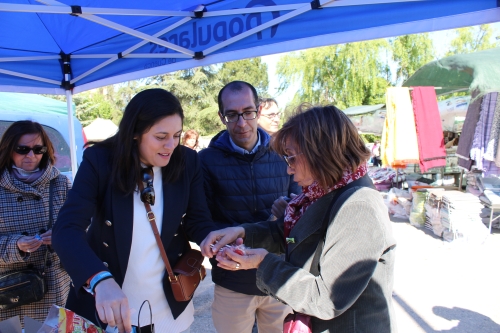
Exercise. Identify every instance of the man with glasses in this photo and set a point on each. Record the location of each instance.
(270, 115)
(242, 180)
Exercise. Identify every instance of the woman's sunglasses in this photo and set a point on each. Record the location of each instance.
(290, 160)
(25, 150)
(148, 193)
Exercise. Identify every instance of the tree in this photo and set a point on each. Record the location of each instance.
(96, 104)
(198, 88)
(410, 52)
(346, 75)
(252, 70)
(472, 39)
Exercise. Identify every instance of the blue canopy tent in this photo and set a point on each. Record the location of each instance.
(65, 47)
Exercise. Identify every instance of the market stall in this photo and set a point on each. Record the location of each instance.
(471, 134)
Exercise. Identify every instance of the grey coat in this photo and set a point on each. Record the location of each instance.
(25, 211)
(353, 292)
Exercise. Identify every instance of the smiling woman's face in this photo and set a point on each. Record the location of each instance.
(299, 167)
(157, 145)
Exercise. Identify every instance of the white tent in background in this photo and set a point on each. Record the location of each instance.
(100, 129)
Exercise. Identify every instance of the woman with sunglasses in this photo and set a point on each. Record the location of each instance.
(336, 235)
(27, 172)
(116, 265)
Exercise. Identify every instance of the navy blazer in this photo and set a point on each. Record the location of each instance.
(106, 244)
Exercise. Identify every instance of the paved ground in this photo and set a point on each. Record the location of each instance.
(439, 286)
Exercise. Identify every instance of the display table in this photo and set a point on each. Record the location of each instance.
(493, 207)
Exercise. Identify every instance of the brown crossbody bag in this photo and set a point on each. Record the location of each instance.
(188, 273)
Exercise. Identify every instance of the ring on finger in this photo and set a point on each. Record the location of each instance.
(237, 266)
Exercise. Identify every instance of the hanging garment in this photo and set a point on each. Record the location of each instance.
(482, 135)
(496, 134)
(428, 127)
(492, 144)
(465, 143)
(399, 137)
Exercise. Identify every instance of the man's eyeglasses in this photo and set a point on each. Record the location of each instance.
(290, 160)
(272, 115)
(233, 117)
(148, 193)
(25, 150)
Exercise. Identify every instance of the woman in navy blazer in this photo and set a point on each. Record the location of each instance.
(117, 258)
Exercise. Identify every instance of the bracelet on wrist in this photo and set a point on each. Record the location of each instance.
(96, 279)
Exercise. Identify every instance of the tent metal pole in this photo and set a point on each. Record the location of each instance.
(29, 77)
(71, 124)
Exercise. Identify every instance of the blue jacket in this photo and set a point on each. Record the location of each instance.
(241, 189)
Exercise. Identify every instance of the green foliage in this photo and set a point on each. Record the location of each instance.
(252, 70)
(472, 39)
(411, 52)
(369, 137)
(197, 89)
(106, 102)
(345, 75)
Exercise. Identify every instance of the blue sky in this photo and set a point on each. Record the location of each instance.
(440, 39)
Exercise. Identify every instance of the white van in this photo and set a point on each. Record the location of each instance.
(51, 114)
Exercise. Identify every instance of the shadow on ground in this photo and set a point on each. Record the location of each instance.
(202, 301)
(468, 321)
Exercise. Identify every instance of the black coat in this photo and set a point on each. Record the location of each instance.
(106, 245)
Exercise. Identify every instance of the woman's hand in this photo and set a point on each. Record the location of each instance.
(279, 206)
(47, 237)
(218, 238)
(230, 260)
(29, 244)
(112, 305)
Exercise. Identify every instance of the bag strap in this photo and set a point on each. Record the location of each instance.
(51, 220)
(342, 194)
(152, 220)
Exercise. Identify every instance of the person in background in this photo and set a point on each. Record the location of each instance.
(26, 173)
(243, 179)
(347, 286)
(116, 265)
(377, 161)
(190, 139)
(270, 115)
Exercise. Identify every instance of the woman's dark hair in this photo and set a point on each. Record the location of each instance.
(143, 111)
(328, 140)
(10, 140)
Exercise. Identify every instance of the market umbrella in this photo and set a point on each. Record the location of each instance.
(100, 129)
(473, 71)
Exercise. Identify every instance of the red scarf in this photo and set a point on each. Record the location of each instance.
(310, 194)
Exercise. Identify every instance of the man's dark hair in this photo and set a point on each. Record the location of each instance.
(266, 102)
(237, 86)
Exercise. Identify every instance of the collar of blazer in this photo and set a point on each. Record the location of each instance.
(173, 209)
(311, 221)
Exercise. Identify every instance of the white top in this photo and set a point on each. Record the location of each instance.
(145, 270)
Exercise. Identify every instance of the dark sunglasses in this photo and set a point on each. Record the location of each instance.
(25, 150)
(148, 193)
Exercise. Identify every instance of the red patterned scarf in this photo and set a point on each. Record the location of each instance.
(298, 205)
